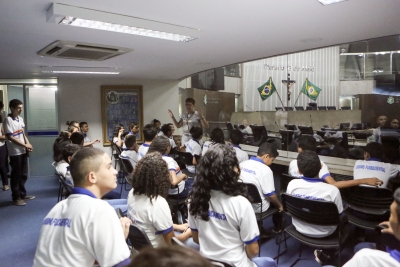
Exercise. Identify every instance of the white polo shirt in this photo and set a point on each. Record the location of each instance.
(318, 190)
(142, 151)
(206, 146)
(154, 218)
(254, 171)
(374, 258)
(130, 155)
(190, 121)
(14, 127)
(240, 154)
(194, 148)
(173, 166)
(62, 168)
(86, 139)
(231, 226)
(79, 230)
(172, 142)
(374, 168)
(294, 170)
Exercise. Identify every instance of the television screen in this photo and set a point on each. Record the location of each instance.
(209, 80)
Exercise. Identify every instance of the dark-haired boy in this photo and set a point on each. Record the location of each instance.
(310, 186)
(236, 139)
(308, 143)
(77, 138)
(134, 128)
(129, 152)
(17, 146)
(256, 171)
(83, 229)
(62, 167)
(168, 130)
(149, 133)
(372, 165)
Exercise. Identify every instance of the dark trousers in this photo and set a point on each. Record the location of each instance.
(19, 175)
(3, 164)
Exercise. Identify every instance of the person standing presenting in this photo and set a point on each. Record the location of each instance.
(18, 145)
(189, 119)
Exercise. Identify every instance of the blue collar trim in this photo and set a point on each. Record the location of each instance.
(373, 159)
(127, 149)
(394, 253)
(131, 133)
(15, 119)
(237, 146)
(312, 180)
(196, 141)
(146, 145)
(165, 155)
(82, 191)
(257, 159)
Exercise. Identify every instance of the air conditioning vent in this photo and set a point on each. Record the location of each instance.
(82, 51)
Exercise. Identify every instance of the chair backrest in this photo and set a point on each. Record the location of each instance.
(229, 127)
(252, 191)
(299, 108)
(285, 180)
(119, 213)
(185, 157)
(367, 199)
(67, 188)
(317, 212)
(138, 238)
(127, 165)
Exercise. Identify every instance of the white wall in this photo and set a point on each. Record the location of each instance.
(79, 99)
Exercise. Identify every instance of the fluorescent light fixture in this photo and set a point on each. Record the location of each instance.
(328, 2)
(80, 70)
(94, 19)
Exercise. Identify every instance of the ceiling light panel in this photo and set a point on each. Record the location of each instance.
(94, 19)
(328, 2)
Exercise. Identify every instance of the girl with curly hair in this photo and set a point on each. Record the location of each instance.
(147, 207)
(217, 137)
(162, 145)
(221, 218)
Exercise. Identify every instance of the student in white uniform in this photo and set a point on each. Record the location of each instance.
(149, 133)
(84, 130)
(372, 165)
(256, 171)
(190, 119)
(3, 155)
(236, 139)
(130, 152)
(217, 137)
(221, 218)
(17, 146)
(193, 147)
(375, 258)
(307, 142)
(168, 130)
(381, 122)
(62, 167)
(147, 207)
(83, 229)
(118, 138)
(310, 186)
(161, 145)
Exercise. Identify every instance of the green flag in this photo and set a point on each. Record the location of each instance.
(267, 89)
(310, 90)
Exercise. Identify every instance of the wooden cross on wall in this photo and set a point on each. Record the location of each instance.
(289, 84)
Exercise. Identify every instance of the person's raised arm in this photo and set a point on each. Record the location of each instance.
(251, 249)
(119, 142)
(350, 183)
(176, 123)
(203, 121)
(176, 179)
(91, 143)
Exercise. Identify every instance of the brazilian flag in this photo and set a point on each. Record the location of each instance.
(310, 90)
(267, 89)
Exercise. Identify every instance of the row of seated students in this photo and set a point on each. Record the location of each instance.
(220, 217)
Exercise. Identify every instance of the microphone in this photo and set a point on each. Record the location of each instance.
(311, 120)
(249, 108)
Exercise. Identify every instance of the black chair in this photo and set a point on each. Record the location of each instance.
(278, 108)
(344, 126)
(299, 108)
(310, 108)
(324, 213)
(346, 108)
(128, 170)
(65, 188)
(285, 180)
(229, 127)
(287, 138)
(183, 159)
(331, 108)
(289, 108)
(367, 206)
(138, 238)
(254, 194)
(321, 107)
(260, 135)
(306, 129)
